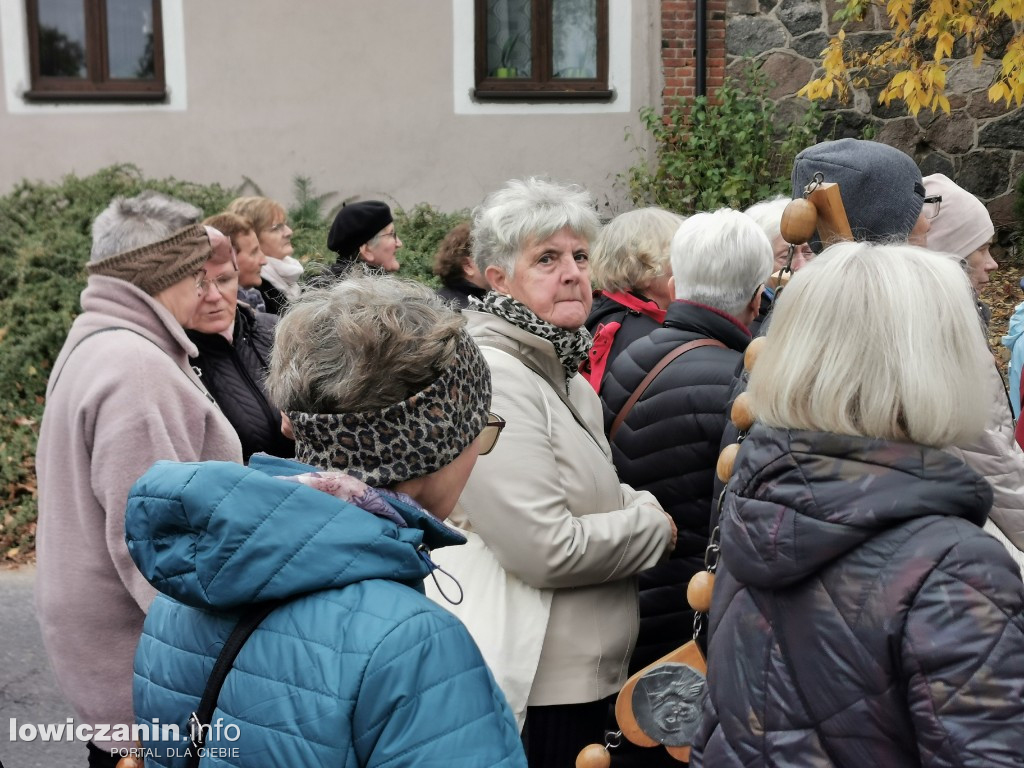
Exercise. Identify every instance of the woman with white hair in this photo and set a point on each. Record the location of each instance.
(860, 615)
(963, 228)
(630, 272)
(565, 538)
(325, 557)
(666, 435)
(768, 216)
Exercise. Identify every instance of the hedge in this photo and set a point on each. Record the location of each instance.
(44, 246)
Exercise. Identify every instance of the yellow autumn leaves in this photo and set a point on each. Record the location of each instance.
(912, 65)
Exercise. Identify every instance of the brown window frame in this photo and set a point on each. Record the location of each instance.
(541, 86)
(97, 85)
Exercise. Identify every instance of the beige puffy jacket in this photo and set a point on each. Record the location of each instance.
(549, 505)
(996, 456)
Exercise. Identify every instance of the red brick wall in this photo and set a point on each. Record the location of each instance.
(679, 47)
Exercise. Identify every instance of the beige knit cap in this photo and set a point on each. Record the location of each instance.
(159, 265)
(963, 224)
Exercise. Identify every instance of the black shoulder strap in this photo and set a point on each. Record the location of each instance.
(562, 395)
(199, 720)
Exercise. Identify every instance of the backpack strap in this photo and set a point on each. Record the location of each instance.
(199, 720)
(662, 364)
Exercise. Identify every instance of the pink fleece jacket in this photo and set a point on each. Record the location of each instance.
(122, 401)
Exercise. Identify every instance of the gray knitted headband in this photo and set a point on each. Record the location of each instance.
(159, 265)
(407, 439)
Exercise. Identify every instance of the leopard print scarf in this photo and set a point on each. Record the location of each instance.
(407, 439)
(571, 347)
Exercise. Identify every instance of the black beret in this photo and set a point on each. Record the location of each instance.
(355, 225)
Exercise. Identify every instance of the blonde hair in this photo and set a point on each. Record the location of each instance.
(632, 249)
(878, 341)
(261, 211)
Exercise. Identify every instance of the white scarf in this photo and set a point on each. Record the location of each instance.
(284, 274)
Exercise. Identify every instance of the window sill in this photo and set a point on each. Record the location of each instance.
(528, 94)
(96, 96)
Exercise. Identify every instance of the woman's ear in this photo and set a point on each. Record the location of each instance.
(365, 254)
(496, 277)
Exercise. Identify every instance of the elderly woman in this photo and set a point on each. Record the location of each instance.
(453, 263)
(364, 233)
(630, 271)
(768, 216)
(282, 271)
(963, 228)
(233, 344)
(860, 615)
(389, 399)
(546, 503)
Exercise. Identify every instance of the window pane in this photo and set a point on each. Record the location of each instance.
(574, 33)
(130, 39)
(62, 38)
(509, 38)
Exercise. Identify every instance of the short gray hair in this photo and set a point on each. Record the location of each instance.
(720, 259)
(768, 215)
(133, 222)
(908, 372)
(633, 249)
(362, 342)
(525, 212)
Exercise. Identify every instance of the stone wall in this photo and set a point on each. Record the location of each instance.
(979, 145)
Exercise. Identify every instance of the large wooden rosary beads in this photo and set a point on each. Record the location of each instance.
(677, 679)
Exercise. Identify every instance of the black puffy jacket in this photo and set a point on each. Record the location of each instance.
(234, 373)
(861, 617)
(668, 445)
(633, 325)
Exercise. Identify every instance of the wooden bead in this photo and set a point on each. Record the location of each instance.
(753, 350)
(726, 461)
(742, 414)
(593, 756)
(129, 762)
(698, 591)
(799, 221)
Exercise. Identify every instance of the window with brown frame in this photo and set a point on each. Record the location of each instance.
(95, 50)
(531, 50)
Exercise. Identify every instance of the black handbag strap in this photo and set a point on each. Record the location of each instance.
(662, 364)
(562, 395)
(199, 720)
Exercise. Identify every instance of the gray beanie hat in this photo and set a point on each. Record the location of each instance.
(880, 186)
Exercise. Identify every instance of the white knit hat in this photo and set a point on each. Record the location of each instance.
(963, 224)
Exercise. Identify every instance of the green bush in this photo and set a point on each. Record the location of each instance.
(723, 151)
(421, 231)
(44, 246)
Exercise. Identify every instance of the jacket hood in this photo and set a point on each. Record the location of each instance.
(1016, 327)
(218, 535)
(799, 500)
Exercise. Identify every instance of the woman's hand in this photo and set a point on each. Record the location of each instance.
(675, 531)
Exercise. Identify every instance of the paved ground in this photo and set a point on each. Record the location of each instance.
(27, 689)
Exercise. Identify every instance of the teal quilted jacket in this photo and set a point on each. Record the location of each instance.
(359, 668)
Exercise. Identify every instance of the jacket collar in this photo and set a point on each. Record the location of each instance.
(484, 327)
(708, 322)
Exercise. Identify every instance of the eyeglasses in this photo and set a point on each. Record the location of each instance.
(392, 234)
(489, 435)
(200, 278)
(931, 206)
(225, 284)
(279, 226)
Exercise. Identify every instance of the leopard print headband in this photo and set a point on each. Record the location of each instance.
(407, 439)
